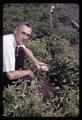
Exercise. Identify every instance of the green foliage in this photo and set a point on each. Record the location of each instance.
(63, 72)
(38, 47)
(39, 16)
(64, 69)
(26, 101)
(23, 101)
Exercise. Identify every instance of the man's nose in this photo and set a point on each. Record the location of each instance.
(25, 37)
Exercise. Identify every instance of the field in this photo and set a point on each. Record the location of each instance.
(60, 51)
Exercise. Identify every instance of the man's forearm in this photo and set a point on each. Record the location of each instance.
(18, 74)
(30, 55)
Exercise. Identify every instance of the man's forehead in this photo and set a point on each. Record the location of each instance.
(25, 28)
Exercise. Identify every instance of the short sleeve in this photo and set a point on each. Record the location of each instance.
(8, 57)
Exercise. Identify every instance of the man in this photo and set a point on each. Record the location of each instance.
(14, 52)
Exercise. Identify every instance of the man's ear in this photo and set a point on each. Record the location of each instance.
(15, 31)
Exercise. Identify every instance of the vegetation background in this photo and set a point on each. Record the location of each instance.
(59, 47)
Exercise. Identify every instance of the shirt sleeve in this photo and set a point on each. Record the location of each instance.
(8, 58)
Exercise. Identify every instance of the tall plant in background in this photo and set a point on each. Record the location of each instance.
(51, 10)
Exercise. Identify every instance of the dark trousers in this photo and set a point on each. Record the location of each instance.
(19, 64)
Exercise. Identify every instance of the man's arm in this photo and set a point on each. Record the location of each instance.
(19, 74)
(36, 62)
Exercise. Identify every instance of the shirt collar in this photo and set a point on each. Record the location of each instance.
(14, 41)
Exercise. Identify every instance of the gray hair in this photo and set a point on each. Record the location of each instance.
(23, 23)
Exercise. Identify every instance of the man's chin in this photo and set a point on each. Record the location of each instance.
(20, 43)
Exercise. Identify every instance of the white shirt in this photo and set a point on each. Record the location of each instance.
(9, 45)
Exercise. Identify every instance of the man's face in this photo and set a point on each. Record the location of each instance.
(22, 34)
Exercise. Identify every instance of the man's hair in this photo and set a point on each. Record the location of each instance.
(23, 23)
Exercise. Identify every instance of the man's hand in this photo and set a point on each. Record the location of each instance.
(30, 73)
(42, 66)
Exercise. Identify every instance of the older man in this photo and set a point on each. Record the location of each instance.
(14, 52)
